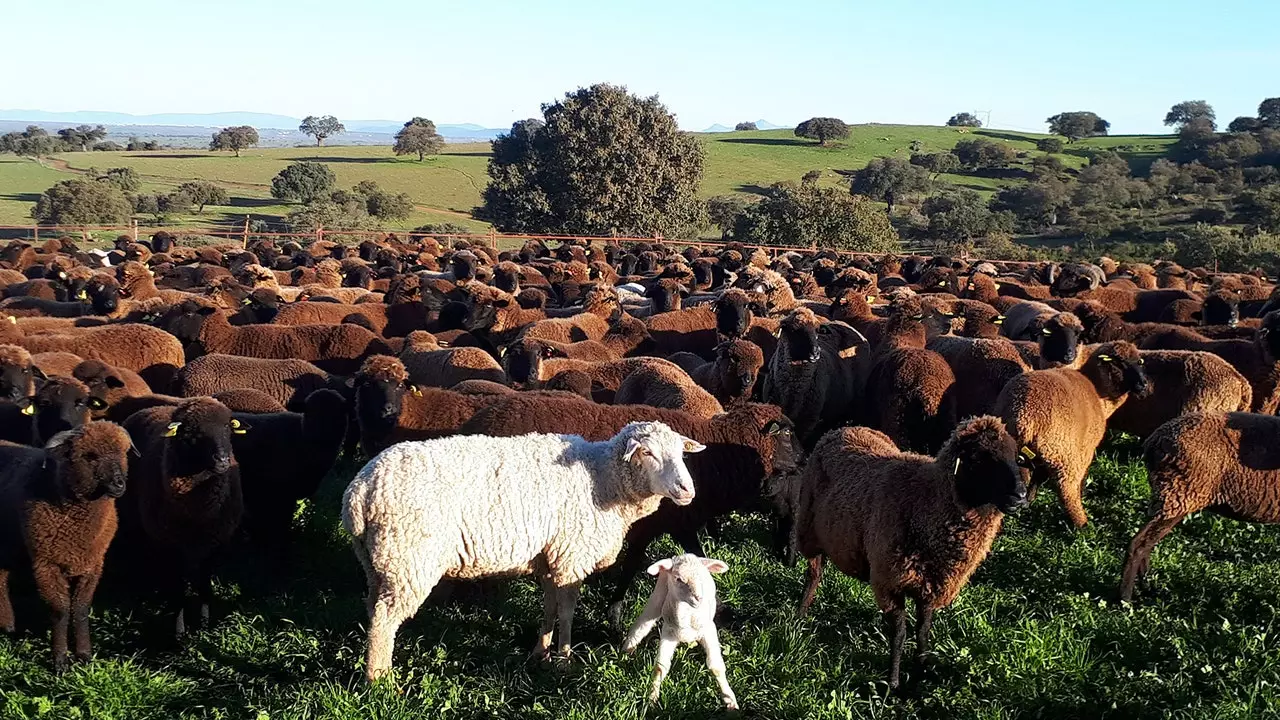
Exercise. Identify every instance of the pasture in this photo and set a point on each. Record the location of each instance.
(1036, 634)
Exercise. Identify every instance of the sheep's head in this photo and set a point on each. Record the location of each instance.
(665, 295)
(1222, 307)
(404, 288)
(1115, 368)
(1075, 278)
(380, 386)
(463, 265)
(103, 293)
(186, 320)
(486, 311)
(198, 438)
(522, 361)
(986, 465)
(735, 308)
(799, 331)
(738, 364)
(260, 306)
(603, 300)
(1268, 336)
(17, 373)
(571, 381)
(851, 305)
(92, 461)
(104, 383)
(359, 276)
(687, 578)
(61, 404)
(506, 277)
(655, 455)
(133, 276)
(1059, 338)
(980, 286)
(851, 279)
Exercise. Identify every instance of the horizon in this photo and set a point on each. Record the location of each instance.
(707, 65)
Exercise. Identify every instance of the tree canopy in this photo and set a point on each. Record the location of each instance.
(418, 136)
(964, 119)
(1078, 124)
(889, 178)
(304, 181)
(602, 161)
(1188, 110)
(745, 126)
(203, 192)
(979, 153)
(235, 139)
(1269, 112)
(823, 129)
(321, 127)
(813, 216)
(959, 216)
(82, 202)
(34, 142)
(82, 136)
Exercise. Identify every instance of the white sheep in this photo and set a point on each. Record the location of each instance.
(555, 506)
(685, 600)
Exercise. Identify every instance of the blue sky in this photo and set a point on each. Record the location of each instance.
(493, 62)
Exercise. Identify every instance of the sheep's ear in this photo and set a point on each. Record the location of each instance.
(715, 567)
(871, 298)
(692, 446)
(659, 566)
(684, 291)
(172, 430)
(415, 390)
(97, 403)
(38, 374)
(501, 302)
(113, 382)
(632, 446)
(502, 351)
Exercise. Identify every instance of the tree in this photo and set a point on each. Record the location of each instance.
(603, 162)
(1244, 124)
(82, 202)
(350, 214)
(107, 146)
(1035, 205)
(82, 136)
(1195, 136)
(418, 136)
(203, 192)
(34, 142)
(1269, 112)
(936, 163)
(823, 129)
(812, 216)
(379, 203)
(1189, 110)
(723, 211)
(742, 126)
(981, 153)
(234, 139)
(135, 144)
(1049, 145)
(124, 178)
(1261, 207)
(1076, 125)
(959, 216)
(889, 178)
(964, 119)
(321, 127)
(304, 181)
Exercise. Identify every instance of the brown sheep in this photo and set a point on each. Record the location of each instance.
(58, 516)
(1142, 306)
(1060, 416)
(57, 363)
(909, 388)
(241, 400)
(732, 376)
(288, 382)
(1182, 383)
(1225, 463)
(529, 362)
(913, 526)
(1258, 360)
(18, 373)
(108, 383)
(432, 366)
(982, 367)
(816, 373)
(152, 353)
(667, 386)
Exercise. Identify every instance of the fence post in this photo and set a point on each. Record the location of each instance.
(493, 239)
(133, 228)
(244, 243)
(320, 233)
(35, 234)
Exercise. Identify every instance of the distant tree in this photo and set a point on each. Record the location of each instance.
(175, 203)
(743, 126)
(321, 127)
(82, 136)
(304, 181)
(203, 192)
(1269, 112)
(234, 139)
(1244, 124)
(82, 202)
(139, 145)
(959, 216)
(936, 163)
(444, 228)
(983, 153)
(124, 178)
(107, 146)
(418, 136)
(1261, 207)
(1036, 205)
(604, 161)
(823, 129)
(1050, 145)
(348, 215)
(806, 216)
(889, 178)
(964, 119)
(1076, 125)
(380, 203)
(723, 211)
(1195, 136)
(34, 142)
(1188, 110)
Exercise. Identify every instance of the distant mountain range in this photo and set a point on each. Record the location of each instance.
(760, 125)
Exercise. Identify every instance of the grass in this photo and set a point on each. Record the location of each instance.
(447, 188)
(1036, 634)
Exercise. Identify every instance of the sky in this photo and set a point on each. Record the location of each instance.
(492, 62)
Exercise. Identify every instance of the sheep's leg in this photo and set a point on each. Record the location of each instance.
(204, 593)
(1139, 556)
(81, 600)
(392, 607)
(666, 651)
(816, 564)
(542, 648)
(648, 618)
(567, 599)
(896, 629)
(782, 543)
(1070, 489)
(6, 607)
(924, 622)
(54, 590)
(715, 663)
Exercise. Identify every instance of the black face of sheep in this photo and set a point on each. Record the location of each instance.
(62, 404)
(359, 276)
(16, 381)
(1074, 278)
(463, 265)
(184, 321)
(199, 438)
(1120, 368)
(663, 296)
(378, 402)
(522, 361)
(787, 453)
(801, 337)
(1269, 334)
(733, 316)
(1059, 341)
(506, 279)
(987, 465)
(480, 314)
(1220, 308)
(913, 267)
(103, 295)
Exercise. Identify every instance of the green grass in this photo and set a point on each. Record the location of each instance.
(447, 188)
(1036, 634)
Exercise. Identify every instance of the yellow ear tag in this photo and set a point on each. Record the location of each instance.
(82, 295)
(777, 333)
(246, 301)
(13, 320)
(997, 286)
(29, 410)
(172, 430)
(1104, 358)
(416, 390)
(871, 298)
(236, 429)
(998, 321)
(942, 283)
(1047, 331)
(1027, 453)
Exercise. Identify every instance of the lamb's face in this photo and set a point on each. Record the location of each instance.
(688, 578)
(199, 438)
(94, 460)
(656, 454)
(62, 404)
(799, 331)
(1119, 370)
(522, 361)
(738, 364)
(665, 296)
(733, 315)
(103, 294)
(379, 401)
(986, 464)
(1059, 338)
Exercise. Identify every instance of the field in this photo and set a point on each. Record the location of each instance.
(1036, 634)
(446, 188)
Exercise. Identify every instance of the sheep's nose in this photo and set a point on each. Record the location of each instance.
(390, 411)
(221, 463)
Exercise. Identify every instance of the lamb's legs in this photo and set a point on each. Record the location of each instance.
(1070, 489)
(811, 588)
(542, 648)
(924, 621)
(715, 663)
(666, 651)
(55, 591)
(649, 617)
(1139, 557)
(896, 629)
(81, 600)
(567, 599)
(6, 607)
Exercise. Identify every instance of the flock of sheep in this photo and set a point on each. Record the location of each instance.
(550, 411)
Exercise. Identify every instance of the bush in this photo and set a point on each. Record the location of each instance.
(1050, 145)
(305, 181)
(980, 153)
(82, 202)
(124, 178)
(723, 211)
(108, 146)
(744, 126)
(808, 216)
(822, 129)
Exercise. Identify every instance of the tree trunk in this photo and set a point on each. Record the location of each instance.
(319, 139)
(421, 155)
(237, 152)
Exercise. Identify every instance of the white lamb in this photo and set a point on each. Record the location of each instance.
(685, 600)
(555, 506)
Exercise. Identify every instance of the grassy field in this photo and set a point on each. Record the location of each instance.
(447, 188)
(1036, 634)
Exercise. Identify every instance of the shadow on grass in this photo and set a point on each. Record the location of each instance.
(753, 189)
(770, 141)
(1003, 135)
(339, 159)
(246, 202)
(22, 197)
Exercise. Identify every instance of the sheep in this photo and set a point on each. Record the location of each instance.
(1141, 306)
(909, 389)
(18, 373)
(108, 384)
(982, 367)
(587, 495)
(57, 505)
(666, 386)
(1221, 462)
(59, 404)
(289, 382)
(185, 497)
(430, 365)
(731, 377)
(58, 363)
(1258, 360)
(747, 446)
(684, 598)
(1056, 333)
(816, 373)
(913, 526)
(529, 362)
(151, 352)
(1060, 416)
(1182, 382)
